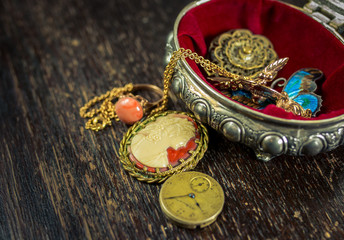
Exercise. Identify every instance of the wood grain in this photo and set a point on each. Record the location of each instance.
(60, 181)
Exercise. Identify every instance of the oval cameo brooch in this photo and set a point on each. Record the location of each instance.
(162, 145)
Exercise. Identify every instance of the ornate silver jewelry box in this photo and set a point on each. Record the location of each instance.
(268, 136)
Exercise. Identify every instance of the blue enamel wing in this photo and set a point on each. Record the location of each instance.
(301, 86)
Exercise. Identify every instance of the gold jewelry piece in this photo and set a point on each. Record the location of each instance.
(164, 144)
(241, 52)
(129, 108)
(191, 199)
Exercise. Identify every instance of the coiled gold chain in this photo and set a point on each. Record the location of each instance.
(204, 63)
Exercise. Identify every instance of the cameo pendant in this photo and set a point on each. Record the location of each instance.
(162, 145)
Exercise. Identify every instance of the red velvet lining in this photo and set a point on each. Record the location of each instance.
(295, 35)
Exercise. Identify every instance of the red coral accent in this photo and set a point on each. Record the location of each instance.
(174, 155)
(139, 165)
(151, 169)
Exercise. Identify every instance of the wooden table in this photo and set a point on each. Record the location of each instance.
(60, 181)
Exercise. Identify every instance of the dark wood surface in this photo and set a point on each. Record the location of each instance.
(60, 181)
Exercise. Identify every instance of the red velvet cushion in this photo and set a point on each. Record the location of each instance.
(295, 35)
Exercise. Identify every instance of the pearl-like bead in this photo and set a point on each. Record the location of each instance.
(128, 110)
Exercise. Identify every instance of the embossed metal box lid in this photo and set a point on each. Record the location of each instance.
(310, 37)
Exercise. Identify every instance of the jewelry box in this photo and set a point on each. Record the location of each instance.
(309, 37)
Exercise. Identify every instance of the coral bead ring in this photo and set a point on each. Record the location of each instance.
(129, 108)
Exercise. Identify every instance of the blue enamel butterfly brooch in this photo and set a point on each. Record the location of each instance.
(297, 95)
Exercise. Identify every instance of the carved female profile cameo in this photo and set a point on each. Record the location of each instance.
(163, 144)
